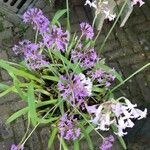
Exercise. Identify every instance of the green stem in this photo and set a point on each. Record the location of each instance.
(102, 46)
(68, 17)
(136, 72)
(39, 124)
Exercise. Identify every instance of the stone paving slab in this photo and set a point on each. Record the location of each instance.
(127, 49)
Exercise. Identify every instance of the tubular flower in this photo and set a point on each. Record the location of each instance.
(134, 2)
(117, 113)
(37, 19)
(67, 128)
(56, 38)
(102, 77)
(86, 58)
(33, 58)
(107, 143)
(75, 88)
(87, 30)
(18, 147)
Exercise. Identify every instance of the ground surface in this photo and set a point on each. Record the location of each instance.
(127, 49)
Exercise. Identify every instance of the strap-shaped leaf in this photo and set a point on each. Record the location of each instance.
(76, 144)
(31, 104)
(58, 15)
(19, 72)
(52, 137)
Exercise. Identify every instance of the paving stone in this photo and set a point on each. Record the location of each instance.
(5, 76)
(3, 55)
(5, 130)
(133, 59)
(6, 145)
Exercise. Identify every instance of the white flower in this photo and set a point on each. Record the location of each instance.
(134, 2)
(142, 114)
(87, 83)
(91, 4)
(129, 104)
(120, 131)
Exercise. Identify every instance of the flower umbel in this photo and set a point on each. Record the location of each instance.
(107, 143)
(75, 88)
(87, 30)
(57, 39)
(37, 19)
(67, 128)
(117, 113)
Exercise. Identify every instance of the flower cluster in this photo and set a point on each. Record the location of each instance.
(102, 7)
(87, 30)
(67, 128)
(107, 143)
(104, 78)
(57, 39)
(30, 51)
(37, 19)
(87, 57)
(75, 88)
(117, 113)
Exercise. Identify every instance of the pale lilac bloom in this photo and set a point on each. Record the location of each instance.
(107, 143)
(117, 113)
(18, 147)
(30, 51)
(87, 30)
(104, 78)
(67, 128)
(37, 19)
(57, 39)
(140, 2)
(75, 88)
(86, 58)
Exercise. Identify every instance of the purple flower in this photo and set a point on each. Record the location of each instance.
(134, 2)
(87, 58)
(18, 147)
(37, 19)
(30, 51)
(104, 78)
(87, 30)
(56, 38)
(75, 88)
(107, 143)
(67, 128)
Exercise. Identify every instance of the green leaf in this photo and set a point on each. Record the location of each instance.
(76, 144)
(115, 73)
(58, 15)
(121, 140)
(3, 86)
(31, 104)
(52, 78)
(63, 143)
(18, 72)
(86, 135)
(52, 137)
(16, 84)
(26, 109)
(74, 67)
(17, 115)
(47, 121)
(89, 129)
